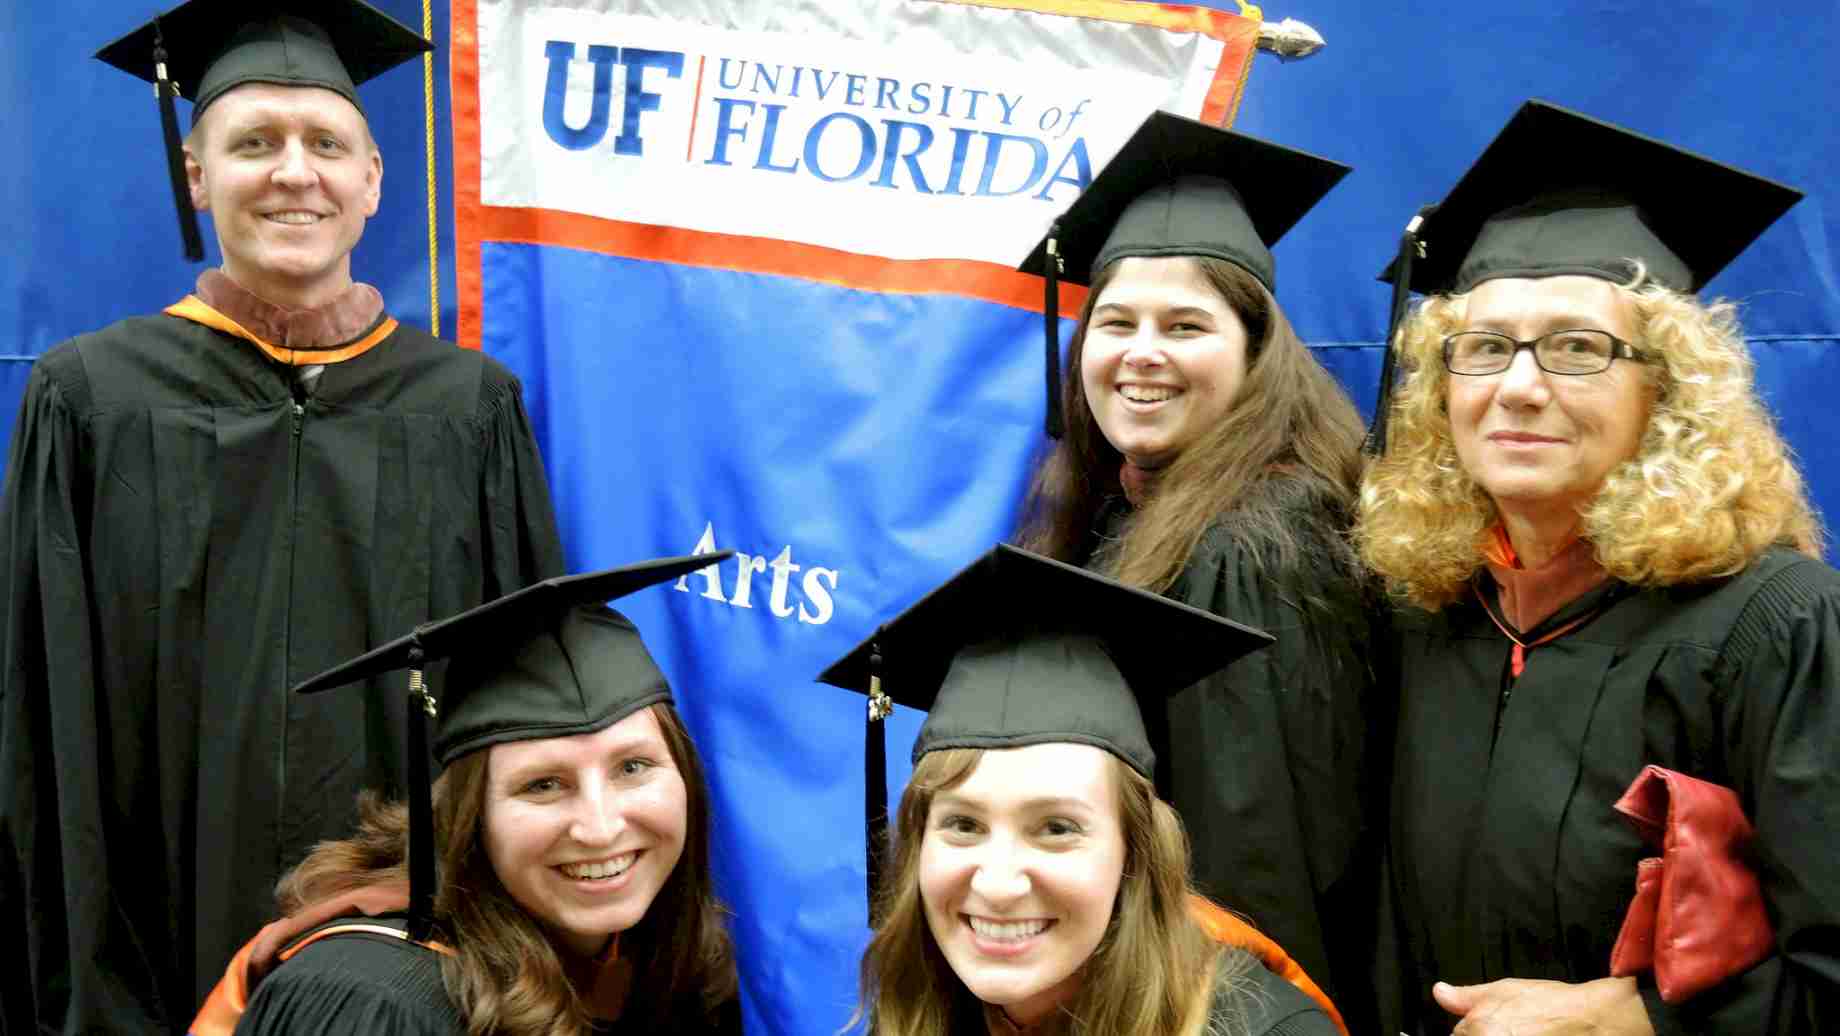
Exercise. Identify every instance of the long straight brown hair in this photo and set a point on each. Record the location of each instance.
(1154, 972)
(505, 973)
(1290, 417)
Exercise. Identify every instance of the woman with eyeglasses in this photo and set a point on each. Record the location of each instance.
(1606, 560)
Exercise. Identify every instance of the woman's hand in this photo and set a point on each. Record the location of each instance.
(1528, 1007)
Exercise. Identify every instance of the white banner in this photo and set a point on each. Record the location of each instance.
(879, 138)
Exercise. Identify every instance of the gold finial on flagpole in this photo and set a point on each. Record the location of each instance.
(1290, 39)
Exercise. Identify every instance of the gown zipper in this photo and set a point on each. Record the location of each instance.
(287, 634)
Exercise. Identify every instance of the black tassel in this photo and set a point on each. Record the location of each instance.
(1409, 250)
(421, 804)
(165, 90)
(1051, 317)
(875, 783)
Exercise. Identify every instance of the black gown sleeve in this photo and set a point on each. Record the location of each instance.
(518, 520)
(355, 984)
(76, 962)
(1780, 680)
(1267, 755)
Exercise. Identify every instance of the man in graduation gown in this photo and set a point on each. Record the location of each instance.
(203, 507)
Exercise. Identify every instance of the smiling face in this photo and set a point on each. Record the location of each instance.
(289, 175)
(1162, 358)
(584, 831)
(1019, 868)
(1539, 442)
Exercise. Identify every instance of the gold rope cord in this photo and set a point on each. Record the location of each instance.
(434, 246)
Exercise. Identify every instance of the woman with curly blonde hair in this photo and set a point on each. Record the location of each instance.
(1606, 562)
(1038, 884)
(570, 831)
(1712, 484)
(1209, 457)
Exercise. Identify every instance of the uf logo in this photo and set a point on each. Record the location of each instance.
(637, 98)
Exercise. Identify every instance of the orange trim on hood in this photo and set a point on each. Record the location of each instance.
(198, 311)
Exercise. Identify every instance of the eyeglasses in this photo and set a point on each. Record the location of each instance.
(1572, 351)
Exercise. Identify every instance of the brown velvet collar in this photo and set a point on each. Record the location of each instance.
(334, 324)
(1137, 483)
(1529, 597)
(605, 982)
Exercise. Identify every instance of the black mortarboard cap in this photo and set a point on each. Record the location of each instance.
(1018, 649)
(1178, 187)
(550, 660)
(1558, 192)
(215, 45)
(1181, 187)
(532, 664)
(203, 48)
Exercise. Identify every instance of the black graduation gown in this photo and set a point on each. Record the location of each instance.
(182, 541)
(1252, 999)
(1508, 860)
(1266, 757)
(1248, 1000)
(354, 983)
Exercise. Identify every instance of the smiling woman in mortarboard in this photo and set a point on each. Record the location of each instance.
(1608, 561)
(570, 829)
(1209, 457)
(1038, 884)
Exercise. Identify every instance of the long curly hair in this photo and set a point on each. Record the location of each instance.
(1711, 487)
(505, 974)
(1290, 418)
(1148, 975)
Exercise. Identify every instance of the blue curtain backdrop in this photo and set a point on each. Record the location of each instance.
(1407, 94)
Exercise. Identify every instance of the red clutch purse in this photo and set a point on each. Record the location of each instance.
(1697, 918)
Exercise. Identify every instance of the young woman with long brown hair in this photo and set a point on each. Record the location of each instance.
(1209, 457)
(571, 833)
(1038, 884)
